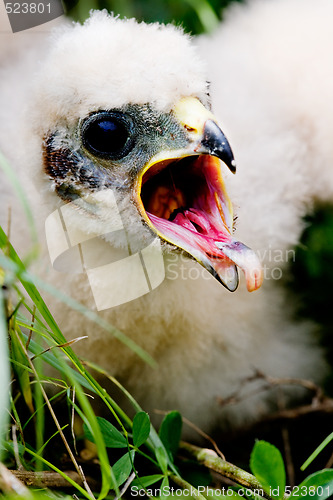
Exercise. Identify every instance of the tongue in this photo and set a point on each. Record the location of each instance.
(207, 240)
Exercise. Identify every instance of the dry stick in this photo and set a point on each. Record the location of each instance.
(85, 482)
(235, 397)
(9, 483)
(289, 461)
(59, 346)
(126, 486)
(16, 451)
(286, 442)
(212, 461)
(329, 463)
(73, 421)
(32, 324)
(325, 407)
(204, 435)
(62, 435)
(48, 479)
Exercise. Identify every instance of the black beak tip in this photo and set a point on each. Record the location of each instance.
(217, 144)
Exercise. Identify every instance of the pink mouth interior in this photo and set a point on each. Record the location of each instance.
(186, 202)
(193, 227)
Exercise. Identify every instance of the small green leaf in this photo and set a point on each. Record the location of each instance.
(141, 428)
(165, 488)
(122, 468)
(317, 486)
(146, 481)
(267, 465)
(162, 459)
(112, 437)
(170, 432)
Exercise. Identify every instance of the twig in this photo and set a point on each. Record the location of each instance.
(289, 461)
(307, 384)
(66, 344)
(85, 482)
(325, 407)
(286, 442)
(204, 435)
(16, 450)
(126, 486)
(32, 324)
(212, 461)
(48, 479)
(270, 382)
(9, 483)
(319, 404)
(329, 463)
(73, 421)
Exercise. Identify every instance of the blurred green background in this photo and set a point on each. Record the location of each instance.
(196, 16)
(312, 278)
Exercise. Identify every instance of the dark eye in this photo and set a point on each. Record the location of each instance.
(108, 134)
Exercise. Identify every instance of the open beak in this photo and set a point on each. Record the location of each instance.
(182, 197)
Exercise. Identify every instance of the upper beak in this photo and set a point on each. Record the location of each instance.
(215, 143)
(202, 128)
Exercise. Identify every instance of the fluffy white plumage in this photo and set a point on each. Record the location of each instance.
(272, 82)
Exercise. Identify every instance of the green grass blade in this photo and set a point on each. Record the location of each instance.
(206, 14)
(318, 450)
(4, 367)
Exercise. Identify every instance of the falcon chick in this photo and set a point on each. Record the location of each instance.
(118, 112)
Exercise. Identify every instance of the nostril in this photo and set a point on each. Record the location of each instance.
(190, 129)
